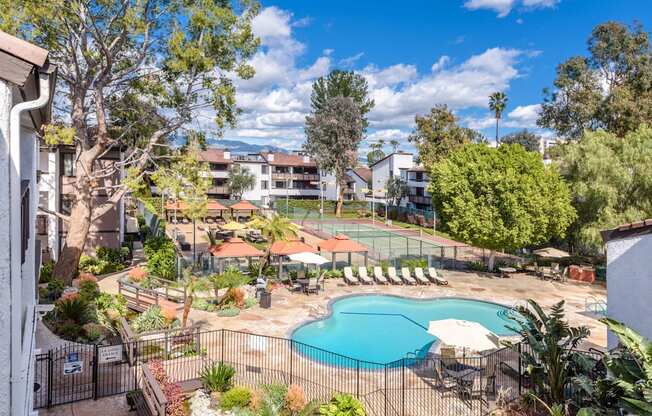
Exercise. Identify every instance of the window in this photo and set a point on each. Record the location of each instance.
(279, 184)
(263, 185)
(219, 181)
(66, 204)
(263, 169)
(68, 164)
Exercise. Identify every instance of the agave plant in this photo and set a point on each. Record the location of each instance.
(549, 353)
(628, 382)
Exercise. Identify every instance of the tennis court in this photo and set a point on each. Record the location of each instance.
(386, 243)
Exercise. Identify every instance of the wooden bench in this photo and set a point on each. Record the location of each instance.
(140, 299)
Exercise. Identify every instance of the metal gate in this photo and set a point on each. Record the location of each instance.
(80, 372)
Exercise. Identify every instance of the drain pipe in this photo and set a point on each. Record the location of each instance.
(19, 375)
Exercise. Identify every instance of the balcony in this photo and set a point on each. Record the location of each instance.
(424, 200)
(295, 177)
(218, 190)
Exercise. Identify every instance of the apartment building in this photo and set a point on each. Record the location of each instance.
(278, 176)
(56, 194)
(27, 83)
(402, 165)
(359, 182)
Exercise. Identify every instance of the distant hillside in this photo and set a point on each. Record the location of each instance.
(237, 146)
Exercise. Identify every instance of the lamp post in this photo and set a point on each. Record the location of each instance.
(373, 198)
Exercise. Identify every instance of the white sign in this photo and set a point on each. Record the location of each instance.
(73, 367)
(109, 354)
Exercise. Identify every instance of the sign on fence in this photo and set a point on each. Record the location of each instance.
(109, 354)
(73, 364)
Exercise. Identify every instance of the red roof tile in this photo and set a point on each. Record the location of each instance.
(284, 159)
(244, 206)
(285, 248)
(213, 155)
(235, 247)
(342, 244)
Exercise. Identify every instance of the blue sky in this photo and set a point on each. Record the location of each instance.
(414, 56)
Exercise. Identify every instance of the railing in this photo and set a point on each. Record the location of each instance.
(152, 393)
(295, 176)
(416, 199)
(140, 299)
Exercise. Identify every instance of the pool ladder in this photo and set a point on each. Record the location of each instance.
(595, 305)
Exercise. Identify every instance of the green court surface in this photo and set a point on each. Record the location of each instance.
(385, 242)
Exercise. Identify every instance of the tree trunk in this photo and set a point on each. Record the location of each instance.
(186, 310)
(492, 260)
(497, 142)
(78, 228)
(340, 201)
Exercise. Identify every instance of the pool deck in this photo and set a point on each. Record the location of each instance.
(290, 310)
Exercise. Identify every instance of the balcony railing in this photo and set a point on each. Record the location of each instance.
(218, 190)
(425, 200)
(295, 177)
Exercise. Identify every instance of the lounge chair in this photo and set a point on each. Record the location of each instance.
(349, 277)
(378, 275)
(364, 277)
(407, 276)
(421, 278)
(313, 286)
(393, 277)
(435, 277)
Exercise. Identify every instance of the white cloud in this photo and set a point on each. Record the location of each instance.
(277, 99)
(504, 7)
(350, 60)
(525, 115)
(440, 64)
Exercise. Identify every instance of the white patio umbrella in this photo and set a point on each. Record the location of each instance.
(308, 258)
(551, 252)
(463, 334)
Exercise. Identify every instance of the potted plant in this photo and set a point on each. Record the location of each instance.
(131, 398)
(265, 300)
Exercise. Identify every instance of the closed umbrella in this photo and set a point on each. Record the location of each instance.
(463, 334)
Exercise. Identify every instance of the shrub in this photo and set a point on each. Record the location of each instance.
(229, 312)
(93, 332)
(55, 288)
(89, 290)
(412, 263)
(476, 266)
(110, 255)
(250, 302)
(237, 397)
(71, 307)
(169, 313)
(342, 405)
(273, 398)
(137, 274)
(204, 305)
(295, 399)
(46, 272)
(68, 330)
(163, 262)
(333, 274)
(217, 377)
(150, 320)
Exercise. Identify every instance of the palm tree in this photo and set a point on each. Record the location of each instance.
(395, 144)
(497, 104)
(276, 228)
(191, 285)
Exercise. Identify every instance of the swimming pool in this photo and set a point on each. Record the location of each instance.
(382, 329)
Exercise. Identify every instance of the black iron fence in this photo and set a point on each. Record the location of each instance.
(418, 385)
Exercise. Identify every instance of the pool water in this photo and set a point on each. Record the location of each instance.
(382, 329)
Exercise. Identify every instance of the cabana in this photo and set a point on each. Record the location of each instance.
(174, 206)
(243, 206)
(215, 209)
(288, 247)
(234, 248)
(343, 244)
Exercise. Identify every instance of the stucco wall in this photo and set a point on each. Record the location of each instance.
(629, 284)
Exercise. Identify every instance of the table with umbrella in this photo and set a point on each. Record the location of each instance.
(466, 335)
(310, 259)
(551, 253)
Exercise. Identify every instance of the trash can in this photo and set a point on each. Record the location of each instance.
(265, 300)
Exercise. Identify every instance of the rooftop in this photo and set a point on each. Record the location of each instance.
(390, 155)
(632, 229)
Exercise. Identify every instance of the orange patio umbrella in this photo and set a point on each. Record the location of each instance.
(343, 244)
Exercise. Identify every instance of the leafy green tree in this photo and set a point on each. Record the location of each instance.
(529, 140)
(240, 180)
(610, 89)
(230, 279)
(333, 135)
(610, 180)
(497, 104)
(552, 358)
(396, 190)
(132, 70)
(340, 83)
(500, 198)
(438, 134)
(376, 152)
